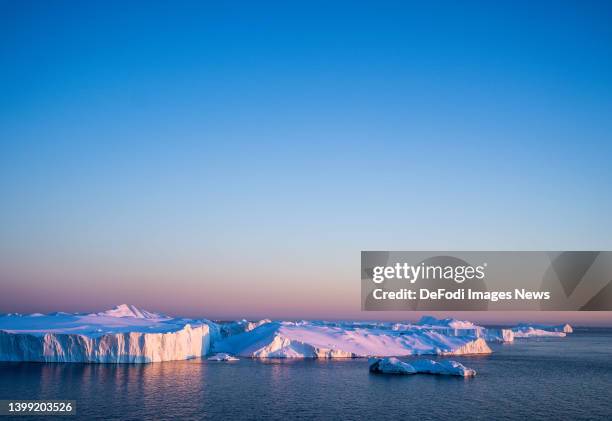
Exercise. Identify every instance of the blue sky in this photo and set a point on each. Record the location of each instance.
(239, 156)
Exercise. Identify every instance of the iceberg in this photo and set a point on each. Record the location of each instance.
(127, 334)
(454, 327)
(344, 340)
(528, 330)
(393, 365)
(124, 334)
(222, 356)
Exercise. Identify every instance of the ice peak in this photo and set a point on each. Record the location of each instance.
(129, 310)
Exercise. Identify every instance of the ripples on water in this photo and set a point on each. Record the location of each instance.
(553, 378)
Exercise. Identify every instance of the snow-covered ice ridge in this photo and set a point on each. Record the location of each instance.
(320, 339)
(123, 334)
(314, 339)
(126, 334)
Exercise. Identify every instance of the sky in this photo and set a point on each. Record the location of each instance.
(232, 159)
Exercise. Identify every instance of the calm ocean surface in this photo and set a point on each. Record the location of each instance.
(554, 378)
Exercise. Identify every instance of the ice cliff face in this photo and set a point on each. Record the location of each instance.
(499, 335)
(130, 347)
(134, 336)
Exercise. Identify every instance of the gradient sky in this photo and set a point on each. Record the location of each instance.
(231, 160)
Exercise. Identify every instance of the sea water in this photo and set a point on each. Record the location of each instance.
(545, 378)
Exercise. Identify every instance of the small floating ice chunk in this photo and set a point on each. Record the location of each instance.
(222, 356)
(390, 365)
(393, 365)
(452, 368)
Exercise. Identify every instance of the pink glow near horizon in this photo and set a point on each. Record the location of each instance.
(224, 306)
(254, 290)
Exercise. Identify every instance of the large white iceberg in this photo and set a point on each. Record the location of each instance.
(124, 334)
(344, 340)
(127, 334)
(393, 365)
